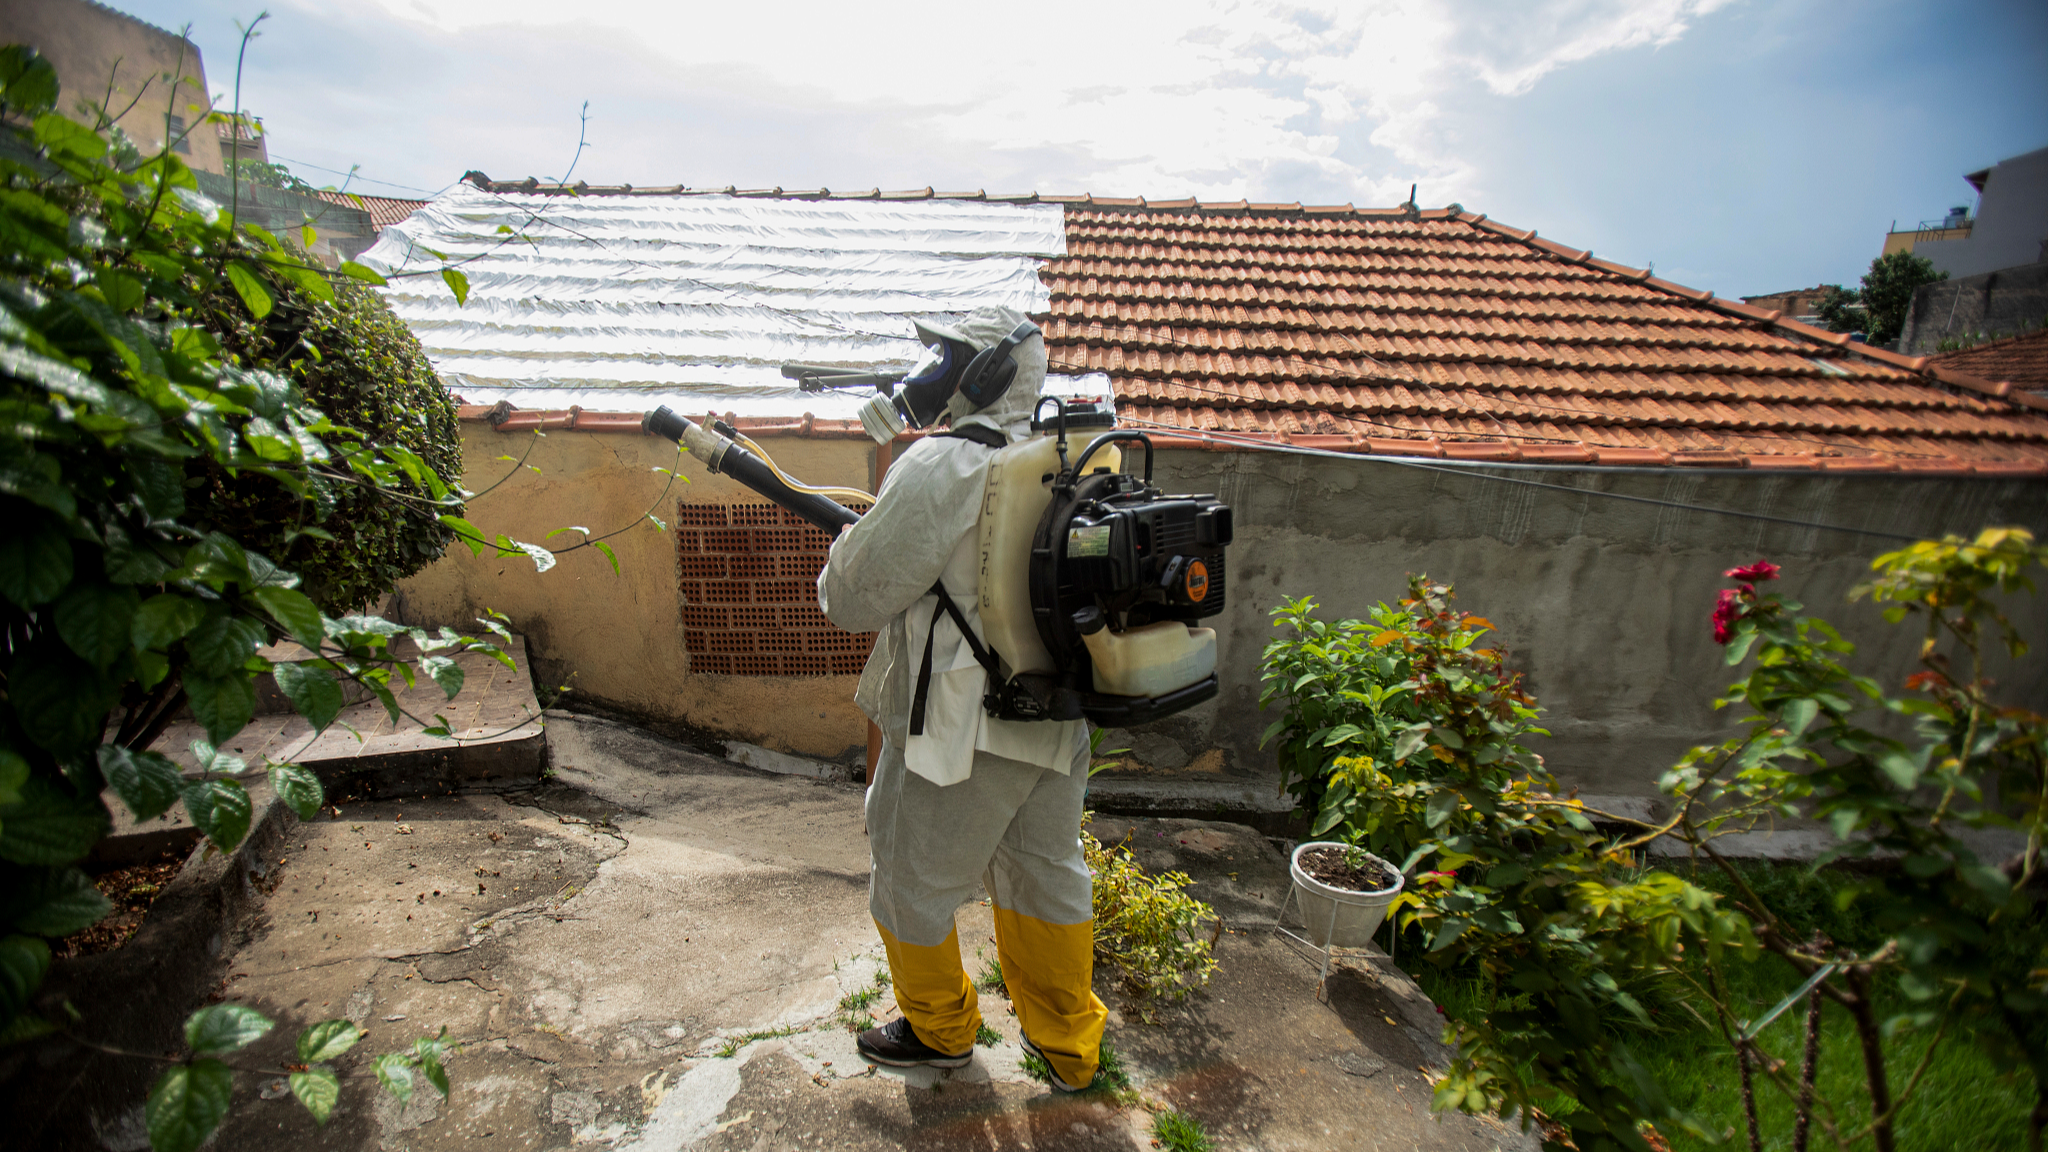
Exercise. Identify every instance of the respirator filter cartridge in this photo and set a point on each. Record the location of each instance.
(881, 420)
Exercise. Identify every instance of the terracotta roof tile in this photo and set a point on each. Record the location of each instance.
(384, 210)
(2021, 361)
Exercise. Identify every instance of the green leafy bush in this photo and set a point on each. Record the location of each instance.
(350, 357)
(1375, 709)
(1579, 952)
(121, 595)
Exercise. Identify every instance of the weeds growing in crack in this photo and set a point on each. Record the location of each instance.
(1112, 1079)
(1176, 1131)
(731, 1045)
(853, 1007)
(990, 978)
(987, 1037)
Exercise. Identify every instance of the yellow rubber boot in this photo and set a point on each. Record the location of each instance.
(1047, 968)
(934, 992)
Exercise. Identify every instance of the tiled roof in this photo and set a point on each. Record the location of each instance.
(384, 210)
(2019, 360)
(1443, 333)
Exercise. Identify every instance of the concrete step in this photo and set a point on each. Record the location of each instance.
(496, 742)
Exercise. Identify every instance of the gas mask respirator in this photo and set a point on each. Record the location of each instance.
(918, 397)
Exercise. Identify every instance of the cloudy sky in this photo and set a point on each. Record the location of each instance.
(1745, 146)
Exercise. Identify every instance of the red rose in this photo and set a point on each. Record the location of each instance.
(1727, 610)
(1751, 573)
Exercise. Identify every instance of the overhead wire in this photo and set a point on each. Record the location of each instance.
(364, 179)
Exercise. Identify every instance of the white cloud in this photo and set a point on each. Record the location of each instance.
(1216, 98)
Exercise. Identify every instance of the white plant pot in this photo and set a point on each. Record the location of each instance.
(1339, 917)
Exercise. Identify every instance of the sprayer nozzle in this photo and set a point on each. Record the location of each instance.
(663, 422)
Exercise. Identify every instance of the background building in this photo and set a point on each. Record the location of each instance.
(2011, 225)
(153, 81)
(1801, 304)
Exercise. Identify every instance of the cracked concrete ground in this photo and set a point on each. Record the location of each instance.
(651, 953)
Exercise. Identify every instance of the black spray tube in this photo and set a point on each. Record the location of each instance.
(722, 456)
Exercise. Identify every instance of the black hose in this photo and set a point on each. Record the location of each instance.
(751, 470)
(734, 461)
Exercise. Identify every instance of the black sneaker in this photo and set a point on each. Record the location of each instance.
(1051, 1077)
(896, 1044)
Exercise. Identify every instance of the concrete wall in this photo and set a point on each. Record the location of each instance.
(1603, 604)
(2003, 303)
(2011, 226)
(340, 232)
(617, 640)
(92, 46)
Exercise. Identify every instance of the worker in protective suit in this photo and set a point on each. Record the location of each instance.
(962, 796)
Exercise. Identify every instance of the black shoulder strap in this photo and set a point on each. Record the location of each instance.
(986, 657)
(988, 438)
(979, 433)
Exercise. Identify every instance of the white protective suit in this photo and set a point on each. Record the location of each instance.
(972, 798)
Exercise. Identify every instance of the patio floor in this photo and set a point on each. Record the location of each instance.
(596, 944)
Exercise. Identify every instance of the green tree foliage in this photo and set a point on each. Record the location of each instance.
(120, 594)
(1878, 309)
(1841, 309)
(350, 357)
(272, 176)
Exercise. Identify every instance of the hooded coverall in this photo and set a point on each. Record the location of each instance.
(972, 797)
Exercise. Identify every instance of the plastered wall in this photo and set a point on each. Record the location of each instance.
(1604, 604)
(618, 640)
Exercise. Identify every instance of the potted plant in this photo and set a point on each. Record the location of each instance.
(1343, 892)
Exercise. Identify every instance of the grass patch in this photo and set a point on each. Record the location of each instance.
(1177, 1131)
(1111, 1078)
(987, 1037)
(1963, 1102)
(853, 1007)
(990, 978)
(731, 1045)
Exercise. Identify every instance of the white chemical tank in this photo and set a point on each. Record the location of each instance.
(1019, 489)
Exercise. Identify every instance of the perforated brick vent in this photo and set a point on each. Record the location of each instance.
(749, 577)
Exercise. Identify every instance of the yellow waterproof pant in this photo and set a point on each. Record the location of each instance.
(1016, 828)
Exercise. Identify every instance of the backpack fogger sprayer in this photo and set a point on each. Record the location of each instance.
(1092, 579)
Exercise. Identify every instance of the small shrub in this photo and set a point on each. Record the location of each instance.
(1147, 927)
(1376, 710)
(356, 362)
